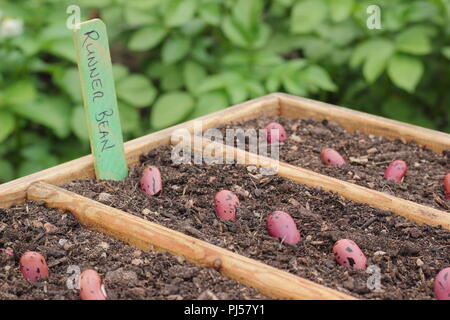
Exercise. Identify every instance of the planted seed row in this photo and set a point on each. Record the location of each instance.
(327, 148)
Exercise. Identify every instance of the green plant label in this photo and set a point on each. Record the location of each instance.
(100, 102)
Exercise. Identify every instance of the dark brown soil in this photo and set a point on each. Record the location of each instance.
(367, 158)
(128, 273)
(408, 255)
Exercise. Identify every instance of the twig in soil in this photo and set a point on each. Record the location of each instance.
(382, 162)
(168, 215)
(39, 237)
(193, 231)
(440, 202)
(386, 186)
(368, 222)
(56, 262)
(185, 188)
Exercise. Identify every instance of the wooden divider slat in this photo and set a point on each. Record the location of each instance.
(147, 235)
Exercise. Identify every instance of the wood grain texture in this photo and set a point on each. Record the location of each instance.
(15, 191)
(413, 211)
(296, 107)
(147, 236)
(100, 101)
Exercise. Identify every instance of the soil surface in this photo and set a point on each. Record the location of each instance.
(128, 273)
(408, 256)
(367, 158)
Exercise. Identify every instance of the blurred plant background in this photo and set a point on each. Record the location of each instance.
(179, 59)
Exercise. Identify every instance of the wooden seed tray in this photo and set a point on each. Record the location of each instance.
(145, 235)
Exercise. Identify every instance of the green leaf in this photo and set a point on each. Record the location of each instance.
(210, 12)
(234, 33)
(114, 18)
(218, 81)
(7, 124)
(170, 109)
(143, 4)
(255, 89)
(340, 10)
(27, 44)
(261, 36)
(414, 40)
(307, 15)
(368, 48)
(245, 27)
(193, 28)
(70, 83)
(193, 75)
(375, 54)
(6, 171)
(119, 71)
(138, 16)
(78, 123)
(340, 35)
(178, 12)
(171, 79)
(156, 69)
(136, 90)
(317, 49)
(377, 60)
(129, 118)
(319, 77)
(63, 48)
(285, 3)
(20, 92)
(147, 38)
(35, 151)
(210, 102)
(273, 83)
(52, 112)
(32, 166)
(175, 49)
(422, 11)
(293, 86)
(247, 13)
(237, 93)
(405, 71)
(446, 52)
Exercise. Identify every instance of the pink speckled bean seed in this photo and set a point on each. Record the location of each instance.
(91, 286)
(33, 266)
(447, 186)
(331, 157)
(275, 132)
(348, 254)
(151, 183)
(442, 284)
(225, 205)
(281, 225)
(396, 170)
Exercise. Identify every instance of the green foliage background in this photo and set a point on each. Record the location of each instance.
(179, 59)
